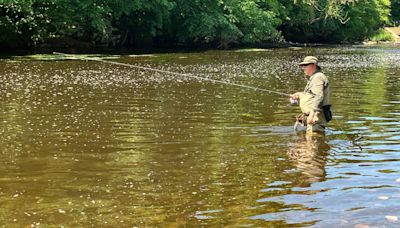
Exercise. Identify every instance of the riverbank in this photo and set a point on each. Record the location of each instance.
(386, 35)
(395, 31)
(70, 46)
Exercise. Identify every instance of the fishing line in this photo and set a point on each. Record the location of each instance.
(196, 77)
(180, 74)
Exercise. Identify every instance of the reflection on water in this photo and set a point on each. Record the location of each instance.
(309, 155)
(84, 143)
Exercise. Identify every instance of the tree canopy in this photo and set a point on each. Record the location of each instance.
(395, 12)
(192, 23)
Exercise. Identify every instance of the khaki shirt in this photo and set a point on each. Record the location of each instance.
(316, 93)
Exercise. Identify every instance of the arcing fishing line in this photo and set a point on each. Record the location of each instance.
(192, 76)
(179, 74)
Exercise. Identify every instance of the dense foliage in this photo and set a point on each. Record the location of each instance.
(215, 23)
(395, 11)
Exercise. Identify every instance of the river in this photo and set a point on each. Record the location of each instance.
(86, 143)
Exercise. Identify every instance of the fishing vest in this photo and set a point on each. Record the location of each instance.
(315, 94)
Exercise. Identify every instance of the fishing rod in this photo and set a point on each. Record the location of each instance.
(180, 74)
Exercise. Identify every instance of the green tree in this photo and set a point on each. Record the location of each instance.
(256, 19)
(226, 22)
(22, 23)
(138, 22)
(84, 20)
(395, 12)
(222, 23)
(334, 21)
(202, 23)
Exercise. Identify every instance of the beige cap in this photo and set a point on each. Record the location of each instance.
(309, 60)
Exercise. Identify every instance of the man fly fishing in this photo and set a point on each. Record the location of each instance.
(314, 100)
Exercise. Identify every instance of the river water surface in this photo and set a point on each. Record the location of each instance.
(90, 144)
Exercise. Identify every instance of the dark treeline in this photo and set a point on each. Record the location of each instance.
(190, 23)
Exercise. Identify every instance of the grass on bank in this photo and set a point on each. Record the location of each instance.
(381, 36)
